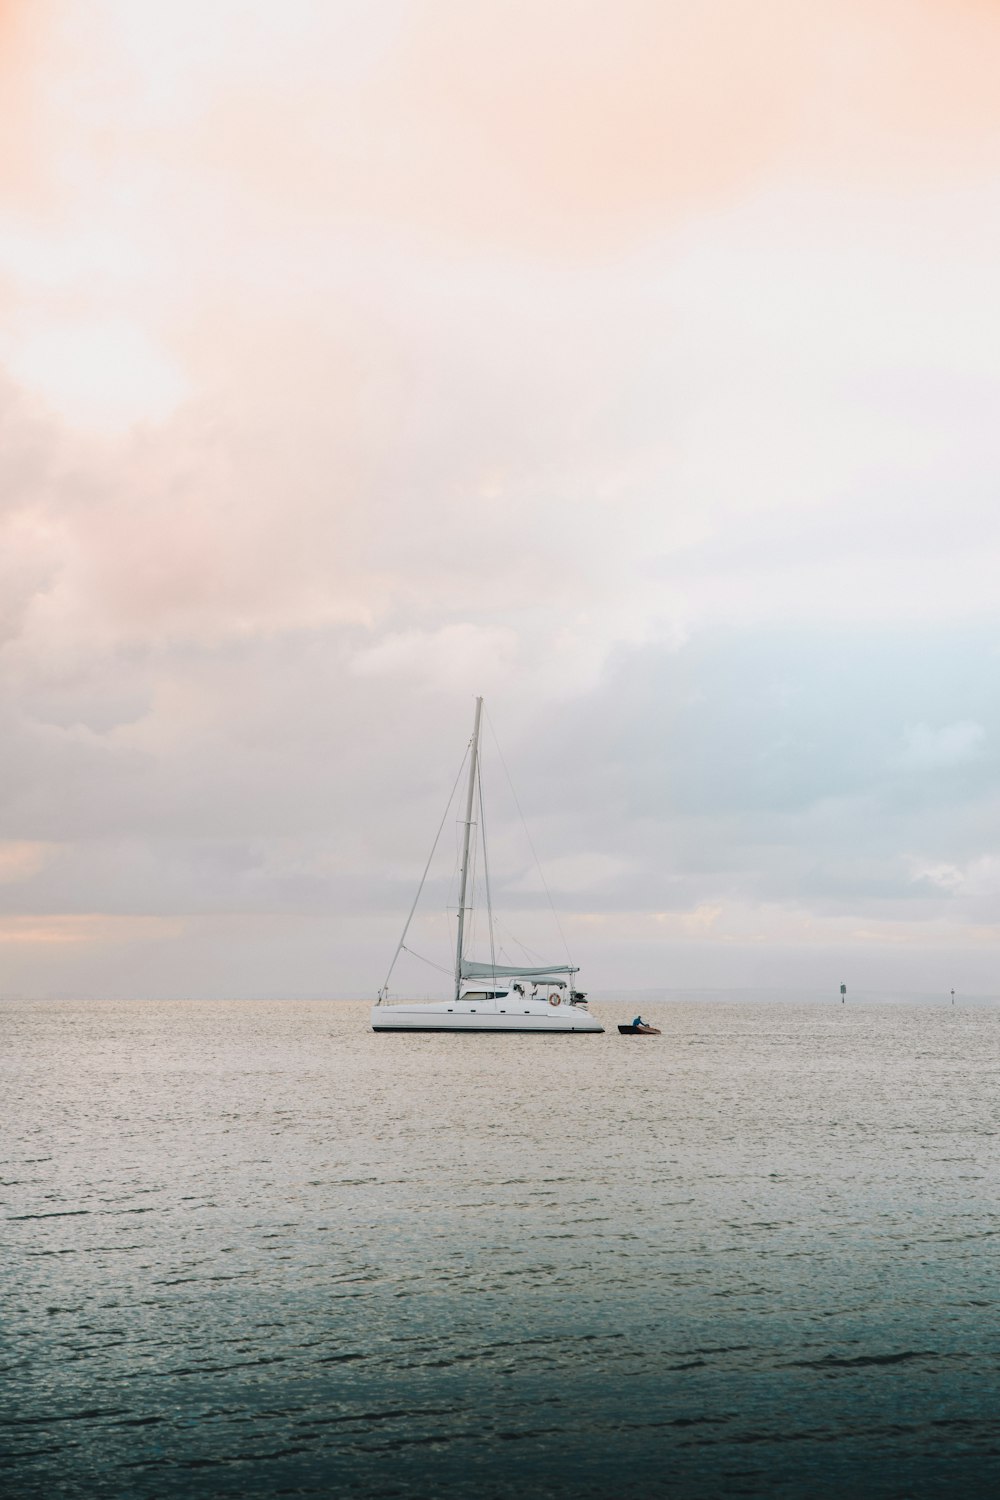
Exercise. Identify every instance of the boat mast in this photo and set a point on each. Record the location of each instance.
(473, 761)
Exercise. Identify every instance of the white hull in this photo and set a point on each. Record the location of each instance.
(483, 1015)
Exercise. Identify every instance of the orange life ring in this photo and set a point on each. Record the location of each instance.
(555, 999)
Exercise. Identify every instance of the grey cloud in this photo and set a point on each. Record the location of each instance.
(772, 765)
(763, 765)
(240, 648)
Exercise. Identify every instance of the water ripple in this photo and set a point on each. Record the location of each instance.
(753, 1259)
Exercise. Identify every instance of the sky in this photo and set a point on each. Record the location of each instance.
(635, 365)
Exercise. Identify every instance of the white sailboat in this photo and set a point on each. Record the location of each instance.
(488, 996)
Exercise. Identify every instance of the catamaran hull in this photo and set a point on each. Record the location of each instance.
(554, 1019)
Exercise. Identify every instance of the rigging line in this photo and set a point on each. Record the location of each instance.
(414, 954)
(524, 822)
(539, 959)
(423, 877)
(486, 870)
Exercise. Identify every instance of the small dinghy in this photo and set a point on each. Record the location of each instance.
(639, 1031)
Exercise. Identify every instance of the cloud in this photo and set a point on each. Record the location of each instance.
(572, 875)
(97, 929)
(926, 749)
(444, 659)
(978, 878)
(20, 860)
(102, 375)
(360, 359)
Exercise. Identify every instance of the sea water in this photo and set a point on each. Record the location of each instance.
(254, 1249)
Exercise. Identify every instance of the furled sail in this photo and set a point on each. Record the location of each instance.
(473, 970)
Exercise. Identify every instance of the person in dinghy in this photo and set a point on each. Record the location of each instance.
(639, 1027)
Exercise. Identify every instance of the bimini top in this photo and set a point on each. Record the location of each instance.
(473, 970)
